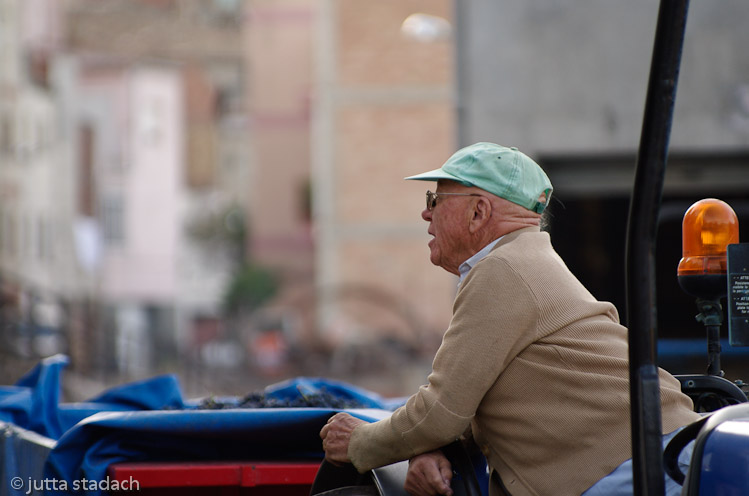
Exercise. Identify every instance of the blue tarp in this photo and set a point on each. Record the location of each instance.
(149, 420)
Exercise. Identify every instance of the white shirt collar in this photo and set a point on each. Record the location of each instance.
(466, 266)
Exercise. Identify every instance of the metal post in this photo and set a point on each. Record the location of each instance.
(711, 316)
(643, 217)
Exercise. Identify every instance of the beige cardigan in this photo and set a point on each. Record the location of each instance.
(537, 367)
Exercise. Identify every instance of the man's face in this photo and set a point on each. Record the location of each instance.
(448, 223)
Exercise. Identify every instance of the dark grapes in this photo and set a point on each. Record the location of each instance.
(258, 399)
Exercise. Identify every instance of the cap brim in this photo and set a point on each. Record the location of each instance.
(434, 175)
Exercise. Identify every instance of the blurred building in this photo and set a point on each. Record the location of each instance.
(279, 53)
(279, 47)
(127, 132)
(159, 86)
(345, 102)
(384, 109)
(38, 260)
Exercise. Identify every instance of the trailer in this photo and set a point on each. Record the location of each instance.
(144, 436)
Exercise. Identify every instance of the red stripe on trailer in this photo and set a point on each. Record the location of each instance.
(279, 474)
(214, 474)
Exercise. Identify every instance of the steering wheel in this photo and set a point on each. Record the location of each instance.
(342, 480)
(335, 480)
(676, 446)
(465, 482)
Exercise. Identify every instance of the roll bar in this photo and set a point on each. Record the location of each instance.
(640, 248)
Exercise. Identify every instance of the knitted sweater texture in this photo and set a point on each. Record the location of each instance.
(536, 367)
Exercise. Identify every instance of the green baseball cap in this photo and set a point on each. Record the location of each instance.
(502, 171)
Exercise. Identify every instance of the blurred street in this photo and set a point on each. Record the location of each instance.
(392, 378)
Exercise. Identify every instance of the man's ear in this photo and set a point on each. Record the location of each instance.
(482, 212)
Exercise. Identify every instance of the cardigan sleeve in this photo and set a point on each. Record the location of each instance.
(494, 317)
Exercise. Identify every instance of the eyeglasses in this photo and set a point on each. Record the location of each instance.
(433, 197)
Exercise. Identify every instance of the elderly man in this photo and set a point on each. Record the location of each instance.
(532, 366)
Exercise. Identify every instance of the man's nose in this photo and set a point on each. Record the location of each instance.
(426, 214)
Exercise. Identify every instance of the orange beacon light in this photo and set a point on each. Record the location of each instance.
(709, 226)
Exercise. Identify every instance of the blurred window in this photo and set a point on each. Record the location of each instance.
(10, 233)
(112, 217)
(227, 11)
(6, 134)
(27, 234)
(3, 230)
(86, 171)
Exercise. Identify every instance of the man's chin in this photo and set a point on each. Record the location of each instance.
(434, 258)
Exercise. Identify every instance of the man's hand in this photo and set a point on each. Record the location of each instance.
(429, 474)
(336, 435)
